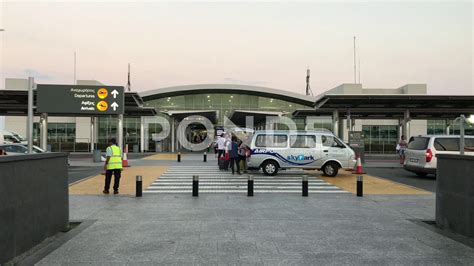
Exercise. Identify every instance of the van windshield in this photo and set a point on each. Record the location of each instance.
(418, 143)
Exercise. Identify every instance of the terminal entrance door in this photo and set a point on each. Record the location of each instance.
(380, 139)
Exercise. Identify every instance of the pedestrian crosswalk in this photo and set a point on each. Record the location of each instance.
(178, 179)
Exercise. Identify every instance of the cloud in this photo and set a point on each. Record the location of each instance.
(36, 74)
(247, 82)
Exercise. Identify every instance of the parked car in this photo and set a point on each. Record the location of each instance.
(7, 136)
(19, 149)
(274, 150)
(420, 156)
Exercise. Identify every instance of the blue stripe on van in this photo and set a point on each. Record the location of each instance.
(281, 158)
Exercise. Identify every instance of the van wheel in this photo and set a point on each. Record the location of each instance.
(270, 168)
(420, 174)
(330, 169)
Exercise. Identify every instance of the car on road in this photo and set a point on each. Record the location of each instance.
(274, 150)
(420, 156)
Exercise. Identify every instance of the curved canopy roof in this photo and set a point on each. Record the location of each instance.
(228, 88)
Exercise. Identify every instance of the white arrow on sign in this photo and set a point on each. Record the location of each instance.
(115, 93)
(114, 105)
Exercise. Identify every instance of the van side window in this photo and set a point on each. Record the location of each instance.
(271, 141)
(303, 141)
(446, 144)
(328, 141)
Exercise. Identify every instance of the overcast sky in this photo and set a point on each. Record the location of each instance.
(265, 44)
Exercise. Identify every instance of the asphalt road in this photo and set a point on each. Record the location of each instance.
(77, 173)
(402, 176)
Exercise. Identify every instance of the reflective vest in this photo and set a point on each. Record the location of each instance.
(115, 161)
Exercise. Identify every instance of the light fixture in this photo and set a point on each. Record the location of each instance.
(232, 96)
(208, 96)
(470, 119)
(290, 105)
(230, 100)
(208, 100)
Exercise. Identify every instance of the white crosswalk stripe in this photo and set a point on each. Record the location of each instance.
(178, 179)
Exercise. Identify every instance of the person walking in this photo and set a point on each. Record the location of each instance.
(401, 148)
(113, 165)
(220, 142)
(243, 156)
(234, 155)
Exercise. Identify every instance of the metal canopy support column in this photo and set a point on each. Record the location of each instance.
(341, 128)
(406, 124)
(29, 123)
(120, 132)
(92, 134)
(335, 123)
(448, 127)
(142, 134)
(173, 134)
(44, 131)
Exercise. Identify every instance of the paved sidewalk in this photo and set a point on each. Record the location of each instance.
(268, 229)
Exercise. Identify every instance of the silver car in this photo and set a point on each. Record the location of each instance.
(274, 150)
(420, 156)
(17, 149)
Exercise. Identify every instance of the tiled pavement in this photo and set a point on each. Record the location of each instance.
(268, 229)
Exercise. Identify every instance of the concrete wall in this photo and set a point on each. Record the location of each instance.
(455, 194)
(34, 202)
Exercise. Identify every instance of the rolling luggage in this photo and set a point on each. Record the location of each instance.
(224, 162)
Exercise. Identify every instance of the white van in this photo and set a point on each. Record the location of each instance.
(420, 156)
(274, 150)
(7, 137)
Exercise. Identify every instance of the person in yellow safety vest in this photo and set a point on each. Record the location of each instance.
(113, 165)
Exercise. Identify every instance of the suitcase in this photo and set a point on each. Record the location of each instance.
(221, 164)
(225, 166)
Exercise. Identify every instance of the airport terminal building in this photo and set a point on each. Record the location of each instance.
(382, 115)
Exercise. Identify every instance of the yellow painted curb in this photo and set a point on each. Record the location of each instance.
(373, 185)
(163, 156)
(94, 185)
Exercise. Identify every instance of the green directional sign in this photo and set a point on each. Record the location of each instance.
(79, 99)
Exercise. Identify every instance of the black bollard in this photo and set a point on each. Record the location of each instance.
(250, 186)
(360, 191)
(138, 191)
(195, 185)
(305, 185)
(179, 157)
(204, 157)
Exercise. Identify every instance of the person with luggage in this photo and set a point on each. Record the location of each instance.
(234, 155)
(221, 146)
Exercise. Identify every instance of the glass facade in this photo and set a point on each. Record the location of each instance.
(61, 138)
(438, 127)
(223, 103)
(108, 129)
(380, 139)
